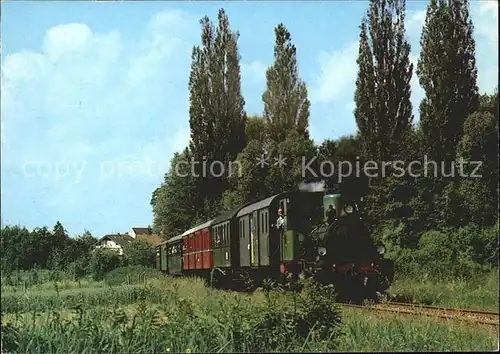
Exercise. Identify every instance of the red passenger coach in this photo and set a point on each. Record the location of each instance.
(206, 250)
(198, 248)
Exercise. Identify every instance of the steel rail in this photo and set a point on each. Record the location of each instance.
(440, 308)
(412, 309)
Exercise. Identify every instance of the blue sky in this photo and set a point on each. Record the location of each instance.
(95, 96)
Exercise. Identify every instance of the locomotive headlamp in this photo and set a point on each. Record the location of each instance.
(381, 250)
(322, 251)
(348, 209)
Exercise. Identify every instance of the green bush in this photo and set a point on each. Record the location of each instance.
(103, 261)
(464, 252)
(140, 253)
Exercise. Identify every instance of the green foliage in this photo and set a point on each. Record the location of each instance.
(172, 315)
(448, 74)
(22, 249)
(175, 203)
(216, 114)
(141, 252)
(103, 260)
(286, 106)
(383, 110)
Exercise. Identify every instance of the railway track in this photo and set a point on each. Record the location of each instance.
(473, 316)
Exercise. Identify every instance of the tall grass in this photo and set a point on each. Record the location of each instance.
(479, 293)
(180, 319)
(182, 315)
(374, 332)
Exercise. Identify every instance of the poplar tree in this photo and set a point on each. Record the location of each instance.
(447, 72)
(286, 114)
(216, 114)
(383, 109)
(286, 105)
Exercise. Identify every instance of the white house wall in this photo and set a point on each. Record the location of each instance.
(111, 245)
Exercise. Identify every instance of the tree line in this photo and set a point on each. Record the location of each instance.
(456, 124)
(74, 257)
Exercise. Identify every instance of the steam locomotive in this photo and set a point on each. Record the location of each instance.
(246, 244)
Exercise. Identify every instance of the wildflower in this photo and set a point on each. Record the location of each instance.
(167, 350)
(188, 350)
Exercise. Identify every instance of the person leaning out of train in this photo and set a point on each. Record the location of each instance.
(280, 222)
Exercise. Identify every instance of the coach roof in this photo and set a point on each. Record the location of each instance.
(175, 238)
(259, 205)
(228, 215)
(197, 228)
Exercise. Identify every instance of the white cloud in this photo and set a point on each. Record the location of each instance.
(66, 40)
(487, 12)
(415, 21)
(85, 93)
(85, 99)
(485, 18)
(255, 71)
(338, 74)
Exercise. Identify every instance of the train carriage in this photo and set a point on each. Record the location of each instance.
(226, 236)
(268, 250)
(174, 255)
(323, 235)
(161, 257)
(197, 246)
(158, 255)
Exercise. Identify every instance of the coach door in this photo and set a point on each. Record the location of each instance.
(284, 242)
(244, 233)
(254, 238)
(264, 237)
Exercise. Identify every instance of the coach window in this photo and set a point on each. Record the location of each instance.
(218, 236)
